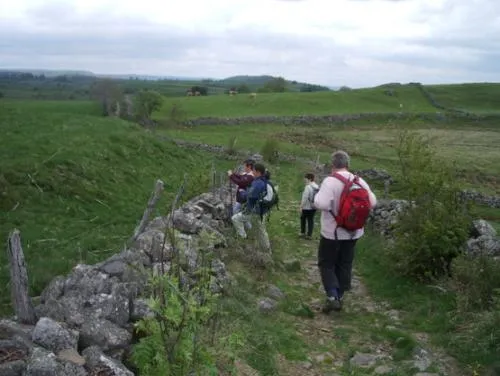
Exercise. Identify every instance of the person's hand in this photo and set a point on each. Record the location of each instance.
(229, 172)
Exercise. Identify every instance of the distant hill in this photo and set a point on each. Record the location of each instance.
(51, 72)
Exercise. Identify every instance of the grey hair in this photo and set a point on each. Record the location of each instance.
(340, 159)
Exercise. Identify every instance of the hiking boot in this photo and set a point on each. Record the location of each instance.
(332, 304)
(301, 235)
(308, 237)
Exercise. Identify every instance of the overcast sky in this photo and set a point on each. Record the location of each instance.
(333, 42)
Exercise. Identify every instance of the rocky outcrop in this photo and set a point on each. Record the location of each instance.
(484, 239)
(85, 319)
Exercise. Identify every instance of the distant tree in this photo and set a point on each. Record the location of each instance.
(345, 88)
(243, 88)
(276, 85)
(145, 103)
(108, 93)
(1, 95)
(202, 89)
(310, 88)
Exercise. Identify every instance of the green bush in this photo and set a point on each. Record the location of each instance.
(146, 102)
(475, 279)
(270, 150)
(479, 337)
(433, 230)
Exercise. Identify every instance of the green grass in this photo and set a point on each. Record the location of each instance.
(76, 185)
(317, 103)
(422, 308)
(482, 98)
(473, 150)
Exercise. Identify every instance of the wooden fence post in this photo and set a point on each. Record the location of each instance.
(23, 306)
(155, 196)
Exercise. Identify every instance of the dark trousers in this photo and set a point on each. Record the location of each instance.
(335, 259)
(307, 216)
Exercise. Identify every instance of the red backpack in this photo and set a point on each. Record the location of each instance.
(354, 204)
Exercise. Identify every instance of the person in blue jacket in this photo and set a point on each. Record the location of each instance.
(253, 211)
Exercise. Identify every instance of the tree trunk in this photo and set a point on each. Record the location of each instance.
(21, 301)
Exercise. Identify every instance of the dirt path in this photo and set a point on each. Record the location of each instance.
(366, 338)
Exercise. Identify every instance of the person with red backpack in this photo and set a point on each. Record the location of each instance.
(345, 201)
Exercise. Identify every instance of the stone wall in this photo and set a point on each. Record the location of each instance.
(483, 237)
(85, 319)
(307, 120)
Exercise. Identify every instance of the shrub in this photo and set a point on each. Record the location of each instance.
(475, 279)
(433, 230)
(145, 103)
(269, 150)
(177, 114)
(479, 337)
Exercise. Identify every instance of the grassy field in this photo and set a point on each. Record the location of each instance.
(481, 98)
(75, 185)
(318, 103)
(474, 151)
(471, 146)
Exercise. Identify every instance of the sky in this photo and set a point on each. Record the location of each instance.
(356, 43)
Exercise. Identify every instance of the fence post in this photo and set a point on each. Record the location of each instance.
(23, 307)
(155, 196)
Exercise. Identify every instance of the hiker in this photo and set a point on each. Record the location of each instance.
(307, 209)
(242, 182)
(253, 211)
(341, 227)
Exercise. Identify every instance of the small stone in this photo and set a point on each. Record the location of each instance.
(53, 336)
(114, 268)
(363, 360)
(275, 293)
(383, 370)
(267, 305)
(72, 356)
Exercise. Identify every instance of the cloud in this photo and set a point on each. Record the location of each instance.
(346, 42)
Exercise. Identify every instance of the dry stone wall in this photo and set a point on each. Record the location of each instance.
(483, 237)
(85, 319)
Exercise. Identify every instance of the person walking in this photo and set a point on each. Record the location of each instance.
(345, 201)
(307, 209)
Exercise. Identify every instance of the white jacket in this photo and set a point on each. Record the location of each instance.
(307, 195)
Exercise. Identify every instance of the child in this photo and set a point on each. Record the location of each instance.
(307, 209)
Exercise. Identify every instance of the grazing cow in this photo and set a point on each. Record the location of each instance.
(252, 95)
(197, 93)
(189, 93)
(232, 92)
